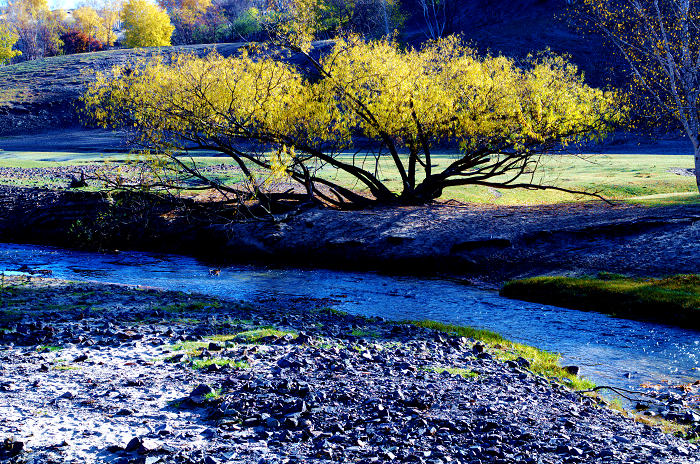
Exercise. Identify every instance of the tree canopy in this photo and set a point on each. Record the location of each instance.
(392, 107)
(145, 24)
(8, 39)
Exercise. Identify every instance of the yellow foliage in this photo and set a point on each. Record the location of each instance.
(188, 11)
(7, 41)
(98, 23)
(501, 115)
(145, 24)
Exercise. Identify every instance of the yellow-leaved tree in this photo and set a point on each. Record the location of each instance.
(88, 21)
(390, 106)
(37, 26)
(145, 24)
(8, 39)
(98, 21)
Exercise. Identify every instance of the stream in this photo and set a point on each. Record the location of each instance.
(609, 351)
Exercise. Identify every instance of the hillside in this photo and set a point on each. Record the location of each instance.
(517, 28)
(41, 94)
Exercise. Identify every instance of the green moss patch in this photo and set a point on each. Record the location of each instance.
(541, 362)
(673, 300)
(254, 336)
(223, 362)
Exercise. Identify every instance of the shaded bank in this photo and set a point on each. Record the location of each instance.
(490, 244)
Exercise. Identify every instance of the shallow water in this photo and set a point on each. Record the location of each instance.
(609, 351)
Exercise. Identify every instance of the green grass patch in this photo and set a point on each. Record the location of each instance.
(331, 311)
(253, 336)
(541, 362)
(223, 362)
(191, 348)
(190, 306)
(364, 333)
(48, 348)
(466, 373)
(672, 300)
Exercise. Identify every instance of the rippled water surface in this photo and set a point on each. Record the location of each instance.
(610, 351)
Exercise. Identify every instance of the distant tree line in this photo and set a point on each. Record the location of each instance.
(29, 29)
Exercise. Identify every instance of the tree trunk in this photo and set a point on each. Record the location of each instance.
(697, 166)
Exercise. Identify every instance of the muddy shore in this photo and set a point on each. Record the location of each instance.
(489, 244)
(95, 373)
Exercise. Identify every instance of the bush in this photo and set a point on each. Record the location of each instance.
(75, 41)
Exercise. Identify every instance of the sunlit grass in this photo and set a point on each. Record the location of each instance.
(541, 362)
(223, 362)
(255, 335)
(674, 300)
(641, 179)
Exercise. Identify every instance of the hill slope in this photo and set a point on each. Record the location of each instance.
(39, 95)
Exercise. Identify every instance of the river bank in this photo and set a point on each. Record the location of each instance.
(491, 244)
(114, 374)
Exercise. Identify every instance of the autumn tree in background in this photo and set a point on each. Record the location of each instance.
(296, 21)
(145, 24)
(37, 27)
(109, 12)
(660, 41)
(186, 16)
(88, 22)
(392, 107)
(75, 41)
(98, 21)
(8, 39)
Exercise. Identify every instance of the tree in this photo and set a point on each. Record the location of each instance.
(187, 16)
(391, 106)
(87, 21)
(109, 11)
(37, 27)
(75, 41)
(660, 41)
(8, 39)
(435, 16)
(98, 21)
(145, 24)
(295, 21)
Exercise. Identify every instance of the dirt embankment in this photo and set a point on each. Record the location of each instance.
(491, 244)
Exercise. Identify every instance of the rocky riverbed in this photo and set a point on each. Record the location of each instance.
(94, 373)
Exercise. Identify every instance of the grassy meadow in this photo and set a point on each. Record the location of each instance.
(640, 179)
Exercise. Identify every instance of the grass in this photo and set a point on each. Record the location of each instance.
(223, 362)
(189, 306)
(64, 77)
(364, 333)
(672, 300)
(331, 311)
(541, 362)
(664, 425)
(254, 336)
(617, 177)
(48, 348)
(638, 179)
(466, 373)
